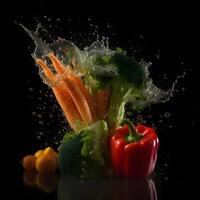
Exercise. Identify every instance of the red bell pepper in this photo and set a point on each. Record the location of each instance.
(133, 150)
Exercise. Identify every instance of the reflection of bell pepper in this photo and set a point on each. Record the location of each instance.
(134, 151)
(137, 189)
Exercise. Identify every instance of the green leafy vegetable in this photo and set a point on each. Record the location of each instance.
(90, 146)
(95, 141)
(69, 155)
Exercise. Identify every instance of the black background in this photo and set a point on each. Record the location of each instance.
(174, 35)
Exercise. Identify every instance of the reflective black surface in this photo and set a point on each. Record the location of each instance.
(90, 189)
(51, 186)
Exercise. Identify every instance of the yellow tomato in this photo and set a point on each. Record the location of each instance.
(28, 162)
(46, 163)
(50, 151)
(38, 153)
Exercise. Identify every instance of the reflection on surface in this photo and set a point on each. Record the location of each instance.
(45, 182)
(100, 189)
(107, 189)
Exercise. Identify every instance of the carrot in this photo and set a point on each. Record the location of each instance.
(69, 108)
(102, 103)
(63, 97)
(87, 95)
(46, 70)
(60, 69)
(77, 88)
(57, 64)
(79, 99)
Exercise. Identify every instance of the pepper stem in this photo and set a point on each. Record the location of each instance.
(133, 136)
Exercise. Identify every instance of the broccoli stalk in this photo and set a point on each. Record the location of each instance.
(120, 92)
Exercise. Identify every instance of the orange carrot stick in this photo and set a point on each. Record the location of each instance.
(68, 107)
(63, 97)
(79, 99)
(46, 70)
(60, 69)
(78, 91)
(57, 64)
(87, 95)
(102, 103)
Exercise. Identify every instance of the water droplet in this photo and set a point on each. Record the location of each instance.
(82, 169)
(40, 122)
(183, 89)
(39, 115)
(34, 113)
(41, 133)
(158, 55)
(108, 26)
(31, 89)
(167, 114)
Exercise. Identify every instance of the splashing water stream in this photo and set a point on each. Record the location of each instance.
(66, 51)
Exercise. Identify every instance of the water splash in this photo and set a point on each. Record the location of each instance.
(66, 51)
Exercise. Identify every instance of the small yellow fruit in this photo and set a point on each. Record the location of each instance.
(46, 163)
(28, 162)
(38, 153)
(50, 151)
